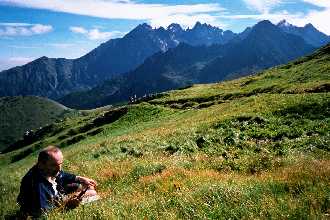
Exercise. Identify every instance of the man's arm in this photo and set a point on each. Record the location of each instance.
(86, 181)
(68, 177)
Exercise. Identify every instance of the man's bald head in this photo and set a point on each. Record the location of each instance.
(50, 160)
(48, 153)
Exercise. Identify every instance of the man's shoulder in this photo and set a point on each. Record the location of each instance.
(33, 175)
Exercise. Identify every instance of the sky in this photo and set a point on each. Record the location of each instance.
(30, 29)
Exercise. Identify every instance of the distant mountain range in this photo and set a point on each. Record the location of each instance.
(309, 33)
(265, 45)
(205, 54)
(53, 78)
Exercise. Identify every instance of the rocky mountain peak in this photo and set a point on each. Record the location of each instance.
(263, 24)
(309, 26)
(41, 59)
(141, 29)
(199, 26)
(144, 26)
(284, 23)
(309, 33)
(265, 27)
(174, 28)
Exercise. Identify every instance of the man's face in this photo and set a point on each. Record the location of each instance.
(54, 164)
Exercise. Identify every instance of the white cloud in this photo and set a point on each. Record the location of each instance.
(187, 21)
(23, 47)
(319, 18)
(273, 17)
(122, 1)
(41, 29)
(79, 30)
(14, 61)
(157, 14)
(319, 3)
(20, 60)
(95, 33)
(40, 46)
(23, 29)
(262, 6)
(61, 45)
(15, 24)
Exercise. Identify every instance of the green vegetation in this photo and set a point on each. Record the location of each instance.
(252, 148)
(20, 114)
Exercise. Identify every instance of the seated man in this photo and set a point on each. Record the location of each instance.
(45, 186)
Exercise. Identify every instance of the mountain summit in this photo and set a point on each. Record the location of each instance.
(55, 78)
(309, 33)
(265, 46)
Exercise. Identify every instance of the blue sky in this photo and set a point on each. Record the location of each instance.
(70, 28)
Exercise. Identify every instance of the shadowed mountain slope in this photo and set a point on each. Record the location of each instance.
(21, 114)
(54, 78)
(265, 46)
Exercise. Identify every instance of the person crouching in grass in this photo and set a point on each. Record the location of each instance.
(46, 186)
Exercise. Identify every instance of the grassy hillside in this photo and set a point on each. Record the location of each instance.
(256, 147)
(20, 114)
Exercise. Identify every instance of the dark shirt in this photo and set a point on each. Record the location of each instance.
(37, 195)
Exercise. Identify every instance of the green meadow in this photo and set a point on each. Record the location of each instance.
(252, 148)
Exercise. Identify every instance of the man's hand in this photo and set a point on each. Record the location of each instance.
(86, 181)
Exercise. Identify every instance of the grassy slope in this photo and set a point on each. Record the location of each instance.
(19, 114)
(256, 147)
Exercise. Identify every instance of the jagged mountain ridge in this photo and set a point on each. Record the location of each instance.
(309, 33)
(201, 34)
(53, 78)
(158, 73)
(264, 46)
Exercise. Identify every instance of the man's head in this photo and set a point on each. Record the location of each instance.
(50, 161)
